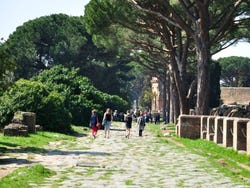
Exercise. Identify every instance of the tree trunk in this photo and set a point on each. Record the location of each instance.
(203, 56)
(164, 98)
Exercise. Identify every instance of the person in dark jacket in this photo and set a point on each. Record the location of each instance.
(140, 123)
(128, 123)
(93, 123)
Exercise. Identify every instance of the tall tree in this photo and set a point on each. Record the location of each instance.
(41, 43)
(151, 40)
(46, 41)
(6, 67)
(235, 71)
(207, 23)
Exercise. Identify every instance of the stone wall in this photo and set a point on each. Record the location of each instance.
(239, 95)
(226, 131)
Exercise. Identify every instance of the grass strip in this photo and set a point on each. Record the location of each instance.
(24, 176)
(228, 161)
(33, 142)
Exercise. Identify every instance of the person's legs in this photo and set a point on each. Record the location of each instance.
(105, 131)
(108, 128)
(94, 131)
(128, 133)
(140, 132)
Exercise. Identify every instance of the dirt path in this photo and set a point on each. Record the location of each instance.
(119, 162)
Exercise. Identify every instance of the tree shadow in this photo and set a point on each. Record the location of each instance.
(46, 152)
(42, 151)
(119, 130)
(8, 144)
(7, 161)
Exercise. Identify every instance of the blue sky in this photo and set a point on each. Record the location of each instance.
(14, 13)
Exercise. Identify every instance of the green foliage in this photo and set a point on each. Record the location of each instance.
(25, 175)
(80, 95)
(46, 41)
(235, 71)
(102, 19)
(6, 67)
(54, 115)
(59, 39)
(35, 97)
(146, 99)
(24, 95)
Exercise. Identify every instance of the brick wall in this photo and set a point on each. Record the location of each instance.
(240, 95)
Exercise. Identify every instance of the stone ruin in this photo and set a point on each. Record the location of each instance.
(21, 124)
(232, 110)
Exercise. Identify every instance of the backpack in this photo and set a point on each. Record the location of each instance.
(142, 121)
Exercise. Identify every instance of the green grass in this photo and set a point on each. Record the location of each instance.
(128, 182)
(23, 176)
(155, 129)
(34, 142)
(228, 161)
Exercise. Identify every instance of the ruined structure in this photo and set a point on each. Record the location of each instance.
(232, 95)
(230, 132)
(22, 124)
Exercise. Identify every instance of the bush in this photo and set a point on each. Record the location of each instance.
(80, 95)
(35, 97)
(53, 114)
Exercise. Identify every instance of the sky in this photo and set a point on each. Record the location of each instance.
(14, 13)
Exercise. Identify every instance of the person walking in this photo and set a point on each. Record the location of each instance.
(107, 119)
(93, 123)
(128, 123)
(140, 123)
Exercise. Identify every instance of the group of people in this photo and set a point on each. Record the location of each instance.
(95, 123)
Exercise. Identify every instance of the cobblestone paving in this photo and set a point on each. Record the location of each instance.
(137, 162)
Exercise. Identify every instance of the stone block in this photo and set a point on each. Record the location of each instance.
(14, 129)
(228, 132)
(210, 128)
(218, 130)
(26, 118)
(240, 134)
(204, 127)
(189, 126)
(248, 138)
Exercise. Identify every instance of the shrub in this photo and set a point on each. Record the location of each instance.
(80, 95)
(35, 97)
(53, 114)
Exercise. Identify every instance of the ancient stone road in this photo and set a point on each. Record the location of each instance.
(137, 162)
